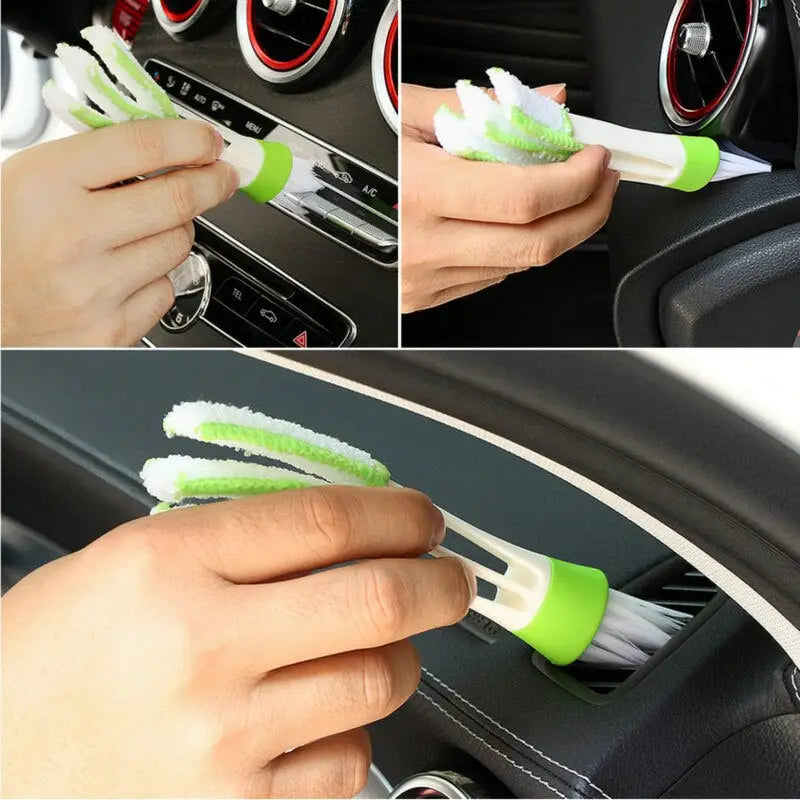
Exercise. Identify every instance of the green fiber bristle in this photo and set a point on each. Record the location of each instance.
(224, 487)
(370, 474)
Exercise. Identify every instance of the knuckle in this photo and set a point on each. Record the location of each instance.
(181, 195)
(182, 241)
(523, 206)
(381, 593)
(147, 139)
(377, 682)
(325, 522)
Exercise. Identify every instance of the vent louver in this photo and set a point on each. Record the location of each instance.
(685, 589)
(284, 39)
(706, 52)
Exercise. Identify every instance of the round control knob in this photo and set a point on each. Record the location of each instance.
(438, 785)
(694, 38)
(191, 280)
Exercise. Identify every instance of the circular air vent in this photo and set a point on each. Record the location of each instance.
(384, 65)
(184, 18)
(705, 52)
(295, 43)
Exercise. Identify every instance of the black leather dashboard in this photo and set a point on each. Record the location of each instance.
(698, 720)
(656, 234)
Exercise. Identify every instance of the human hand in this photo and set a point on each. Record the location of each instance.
(84, 261)
(467, 225)
(188, 653)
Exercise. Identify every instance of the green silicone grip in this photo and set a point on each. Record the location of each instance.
(571, 613)
(274, 173)
(702, 162)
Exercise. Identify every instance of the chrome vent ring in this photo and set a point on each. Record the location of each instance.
(706, 49)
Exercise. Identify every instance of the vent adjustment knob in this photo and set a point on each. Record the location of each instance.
(282, 7)
(694, 38)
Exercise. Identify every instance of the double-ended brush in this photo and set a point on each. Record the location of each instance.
(518, 125)
(565, 611)
(266, 168)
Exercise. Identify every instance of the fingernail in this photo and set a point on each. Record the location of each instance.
(438, 527)
(607, 159)
(617, 177)
(471, 580)
(235, 181)
(552, 88)
(220, 142)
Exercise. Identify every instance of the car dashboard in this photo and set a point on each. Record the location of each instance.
(315, 269)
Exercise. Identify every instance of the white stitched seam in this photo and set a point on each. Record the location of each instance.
(795, 674)
(512, 734)
(493, 749)
(796, 12)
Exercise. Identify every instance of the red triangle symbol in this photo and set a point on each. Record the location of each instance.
(301, 340)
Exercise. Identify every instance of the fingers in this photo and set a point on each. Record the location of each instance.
(267, 537)
(141, 262)
(334, 767)
(478, 244)
(102, 157)
(337, 693)
(505, 193)
(420, 103)
(159, 204)
(363, 605)
(143, 309)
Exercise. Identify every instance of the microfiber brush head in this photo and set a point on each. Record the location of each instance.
(255, 433)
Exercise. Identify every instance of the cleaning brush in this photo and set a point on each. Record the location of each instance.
(565, 611)
(265, 168)
(521, 126)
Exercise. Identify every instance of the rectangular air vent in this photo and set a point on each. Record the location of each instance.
(682, 588)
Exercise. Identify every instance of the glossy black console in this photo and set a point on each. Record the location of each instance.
(344, 115)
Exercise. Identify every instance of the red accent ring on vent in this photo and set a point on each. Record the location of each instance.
(697, 113)
(387, 62)
(183, 15)
(303, 57)
(127, 17)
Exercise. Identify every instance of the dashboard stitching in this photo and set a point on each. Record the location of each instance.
(512, 734)
(796, 12)
(493, 749)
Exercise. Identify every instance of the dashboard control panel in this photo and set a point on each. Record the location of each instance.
(248, 300)
(355, 206)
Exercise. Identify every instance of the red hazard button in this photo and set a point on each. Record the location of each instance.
(301, 340)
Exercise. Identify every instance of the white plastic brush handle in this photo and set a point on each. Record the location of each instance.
(639, 156)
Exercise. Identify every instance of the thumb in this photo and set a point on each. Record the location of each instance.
(555, 91)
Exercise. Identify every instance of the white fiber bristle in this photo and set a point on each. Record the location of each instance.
(162, 476)
(511, 92)
(734, 166)
(80, 66)
(631, 631)
(457, 137)
(60, 104)
(302, 178)
(483, 113)
(185, 419)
